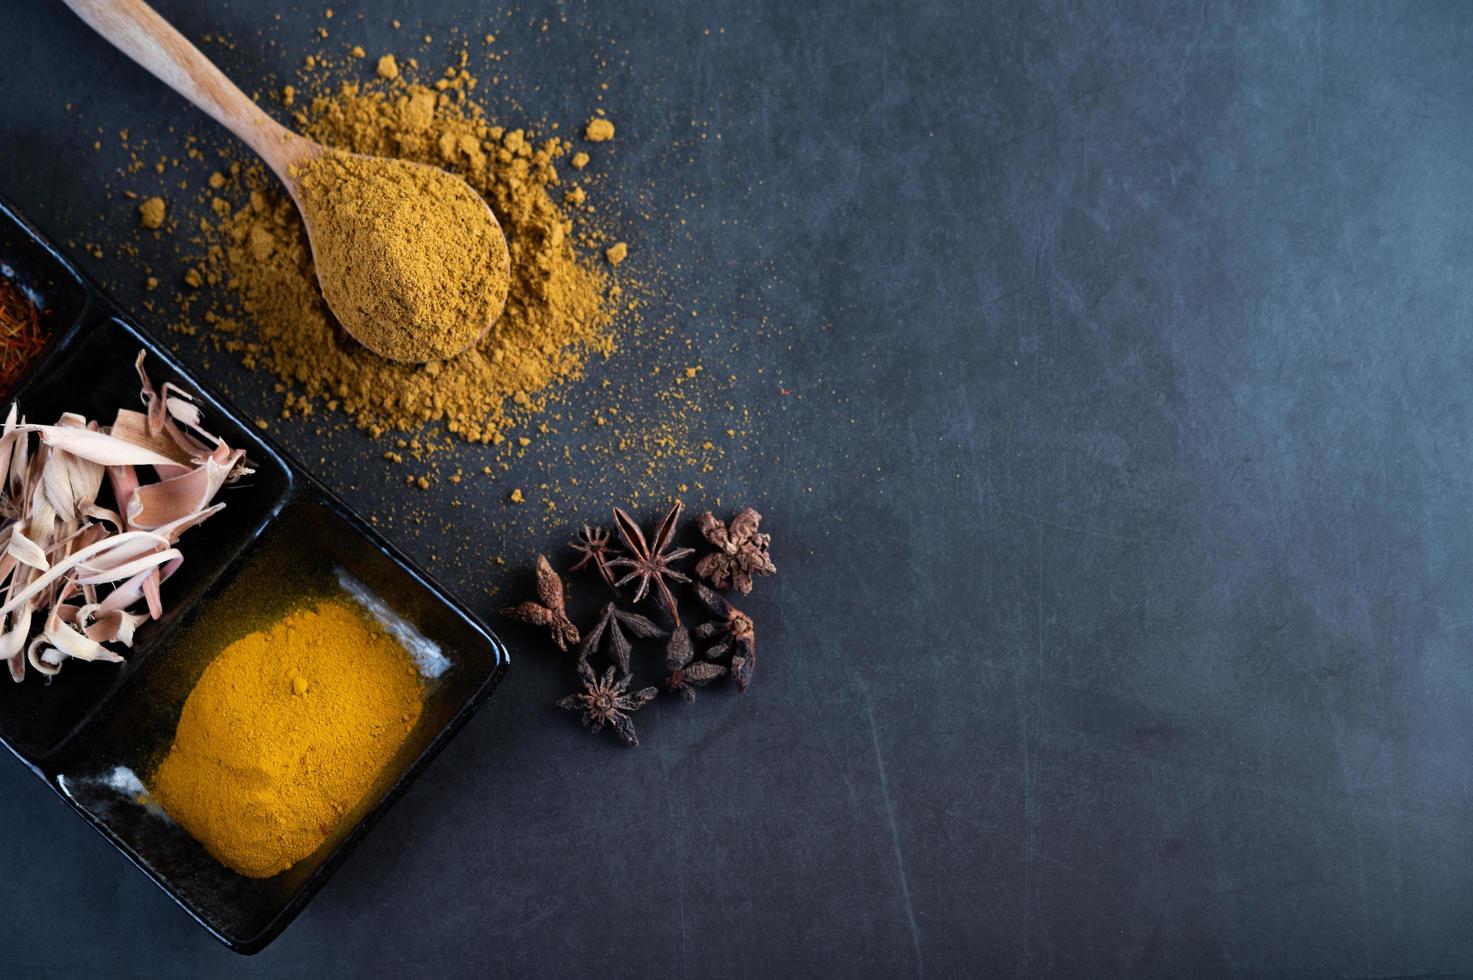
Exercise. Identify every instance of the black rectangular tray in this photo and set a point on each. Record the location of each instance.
(280, 522)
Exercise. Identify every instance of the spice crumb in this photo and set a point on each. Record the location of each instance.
(388, 67)
(516, 496)
(599, 131)
(580, 160)
(151, 212)
(616, 253)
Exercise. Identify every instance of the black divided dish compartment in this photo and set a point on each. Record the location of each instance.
(281, 539)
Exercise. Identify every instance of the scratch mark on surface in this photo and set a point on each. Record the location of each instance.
(910, 915)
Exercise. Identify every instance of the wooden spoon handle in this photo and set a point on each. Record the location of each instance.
(134, 28)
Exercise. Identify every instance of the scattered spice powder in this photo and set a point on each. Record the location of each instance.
(285, 733)
(559, 307)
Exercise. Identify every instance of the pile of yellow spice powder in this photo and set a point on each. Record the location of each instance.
(559, 310)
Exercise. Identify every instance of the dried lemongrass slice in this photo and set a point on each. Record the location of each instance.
(42, 657)
(167, 501)
(26, 551)
(128, 569)
(13, 642)
(71, 484)
(132, 427)
(99, 447)
(112, 626)
(67, 641)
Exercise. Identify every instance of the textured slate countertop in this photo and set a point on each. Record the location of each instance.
(1121, 495)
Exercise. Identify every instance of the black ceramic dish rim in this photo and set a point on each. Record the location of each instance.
(97, 308)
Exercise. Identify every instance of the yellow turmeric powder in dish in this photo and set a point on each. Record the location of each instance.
(409, 257)
(285, 733)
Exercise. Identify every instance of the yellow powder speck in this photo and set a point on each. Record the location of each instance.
(599, 131)
(262, 423)
(193, 279)
(151, 212)
(217, 180)
(388, 67)
(396, 25)
(299, 685)
(616, 253)
(423, 483)
(516, 496)
(288, 95)
(150, 284)
(523, 441)
(327, 13)
(580, 160)
(358, 51)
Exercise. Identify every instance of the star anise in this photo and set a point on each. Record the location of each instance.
(551, 612)
(648, 560)
(613, 621)
(604, 700)
(741, 551)
(686, 675)
(738, 635)
(593, 544)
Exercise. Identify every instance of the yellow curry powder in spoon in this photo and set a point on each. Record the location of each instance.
(408, 256)
(559, 309)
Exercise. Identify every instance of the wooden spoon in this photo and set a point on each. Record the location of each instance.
(138, 31)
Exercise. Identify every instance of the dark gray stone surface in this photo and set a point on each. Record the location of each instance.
(1123, 513)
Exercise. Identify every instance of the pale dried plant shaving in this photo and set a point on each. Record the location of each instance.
(132, 426)
(85, 567)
